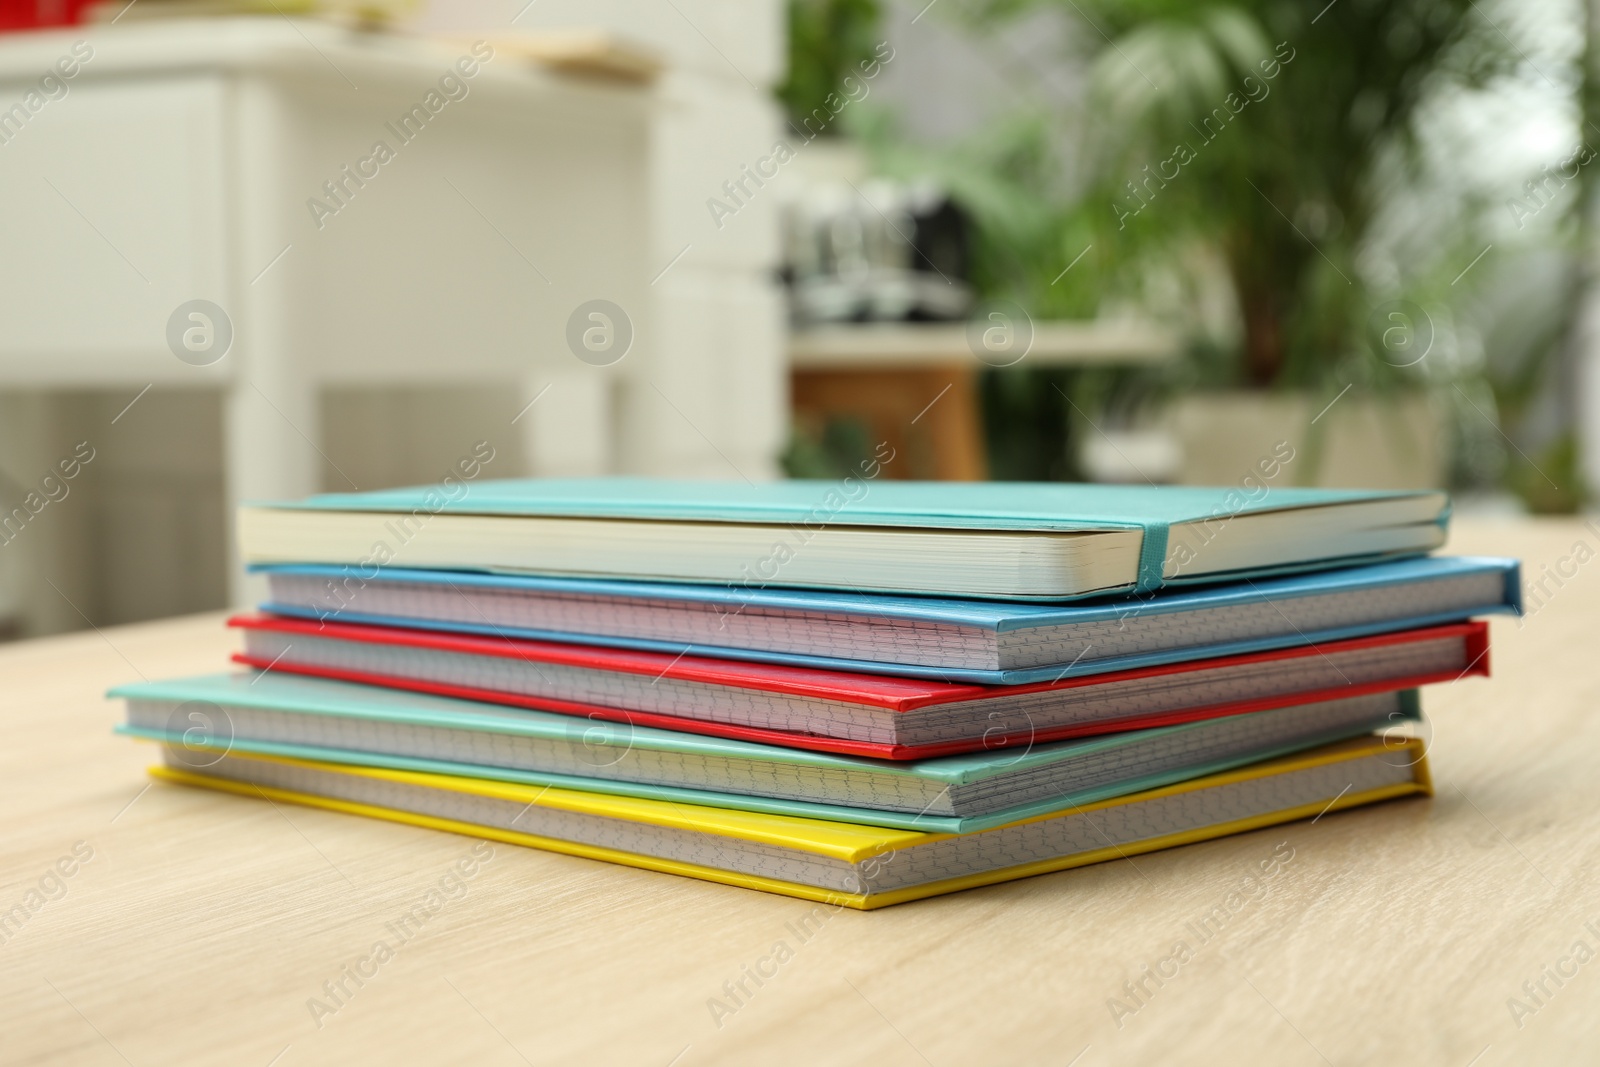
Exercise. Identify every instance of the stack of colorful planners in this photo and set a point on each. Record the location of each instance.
(864, 692)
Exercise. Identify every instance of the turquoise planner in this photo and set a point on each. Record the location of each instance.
(996, 540)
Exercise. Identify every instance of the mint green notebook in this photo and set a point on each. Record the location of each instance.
(994, 539)
(287, 715)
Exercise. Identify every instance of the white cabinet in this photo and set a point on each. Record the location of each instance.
(116, 212)
(187, 161)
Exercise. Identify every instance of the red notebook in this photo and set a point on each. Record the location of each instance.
(857, 714)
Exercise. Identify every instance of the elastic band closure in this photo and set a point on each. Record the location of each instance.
(1152, 558)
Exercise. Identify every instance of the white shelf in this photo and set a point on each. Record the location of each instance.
(882, 346)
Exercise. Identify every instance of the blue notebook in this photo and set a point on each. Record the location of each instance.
(1048, 541)
(956, 640)
(284, 715)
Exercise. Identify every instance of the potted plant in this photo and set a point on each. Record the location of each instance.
(1268, 133)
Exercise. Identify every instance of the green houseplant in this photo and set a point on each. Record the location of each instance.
(1271, 133)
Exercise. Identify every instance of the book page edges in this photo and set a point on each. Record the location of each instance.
(835, 898)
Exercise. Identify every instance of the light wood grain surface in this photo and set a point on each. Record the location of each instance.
(204, 924)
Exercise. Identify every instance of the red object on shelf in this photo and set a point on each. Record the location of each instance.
(40, 14)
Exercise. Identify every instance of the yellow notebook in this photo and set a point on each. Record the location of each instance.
(839, 863)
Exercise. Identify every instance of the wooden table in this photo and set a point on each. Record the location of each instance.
(203, 923)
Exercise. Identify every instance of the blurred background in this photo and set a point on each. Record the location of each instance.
(255, 249)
